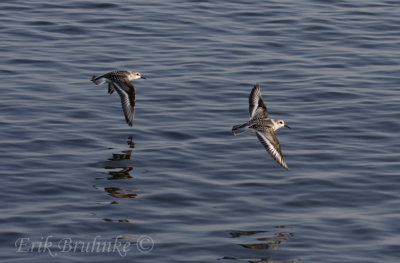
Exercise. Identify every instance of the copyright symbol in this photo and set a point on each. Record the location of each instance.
(145, 244)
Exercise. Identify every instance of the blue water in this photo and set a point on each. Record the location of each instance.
(178, 186)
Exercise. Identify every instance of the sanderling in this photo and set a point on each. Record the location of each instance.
(263, 126)
(120, 81)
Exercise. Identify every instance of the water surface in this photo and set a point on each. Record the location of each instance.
(73, 170)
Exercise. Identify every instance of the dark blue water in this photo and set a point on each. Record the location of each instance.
(178, 186)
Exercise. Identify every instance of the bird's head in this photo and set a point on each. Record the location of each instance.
(280, 124)
(135, 75)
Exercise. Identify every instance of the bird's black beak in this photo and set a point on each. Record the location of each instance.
(142, 77)
(287, 126)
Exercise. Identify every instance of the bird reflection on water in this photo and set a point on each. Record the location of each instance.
(262, 240)
(120, 193)
(118, 167)
(117, 163)
(262, 260)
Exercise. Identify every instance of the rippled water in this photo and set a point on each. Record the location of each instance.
(73, 171)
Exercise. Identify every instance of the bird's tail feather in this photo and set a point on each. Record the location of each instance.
(239, 129)
(98, 80)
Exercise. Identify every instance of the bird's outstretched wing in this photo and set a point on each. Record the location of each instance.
(268, 139)
(126, 92)
(256, 104)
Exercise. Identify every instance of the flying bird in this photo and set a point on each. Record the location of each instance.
(120, 81)
(263, 126)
